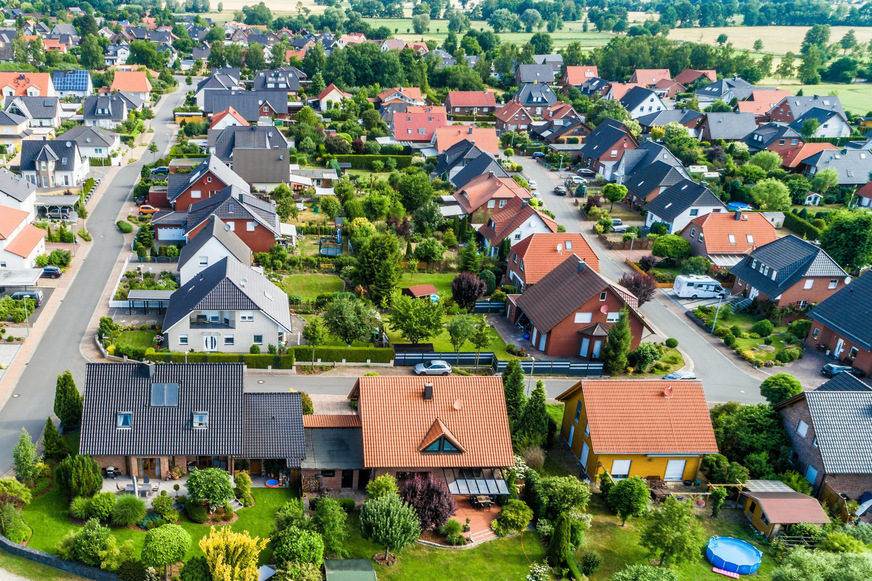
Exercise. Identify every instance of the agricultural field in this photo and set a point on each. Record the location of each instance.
(776, 39)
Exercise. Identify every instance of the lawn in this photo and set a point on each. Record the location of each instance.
(139, 339)
(31, 570)
(441, 281)
(776, 39)
(442, 343)
(309, 286)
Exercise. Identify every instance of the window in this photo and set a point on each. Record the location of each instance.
(204, 261)
(809, 282)
(124, 420)
(620, 468)
(749, 238)
(200, 420)
(603, 296)
(802, 304)
(694, 212)
(732, 238)
(442, 444)
(701, 237)
(514, 259)
(754, 263)
(614, 153)
(814, 442)
(491, 204)
(853, 352)
(811, 474)
(613, 317)
(502, 203)
(231, 226)
(583, 317)
(833, 283)
(522, 266)
(692, 232)
(802, 428)
(815, 332)
(328, 473)
(246, 316)
(209, 180)
(587, 429)
(228, 339)
(258, 340)
(250, 226)
(196, 194)
(183, 339)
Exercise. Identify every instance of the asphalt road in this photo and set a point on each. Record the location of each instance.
(722, 379)
(33, 398)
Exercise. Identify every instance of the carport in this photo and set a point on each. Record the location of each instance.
(146, 299)
(20, 279)
(45, 203)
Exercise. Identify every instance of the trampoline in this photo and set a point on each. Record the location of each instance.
(733, 555)
(272, 483)
(329, 247)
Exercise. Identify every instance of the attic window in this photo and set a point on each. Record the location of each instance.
(124, 420)
(442, 445)
(164, 394)
(749, 238)
(568, 244)
(731, 238)
(200, 420)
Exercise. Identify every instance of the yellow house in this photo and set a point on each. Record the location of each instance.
(638, 427)
(771, 511)
(189, 117)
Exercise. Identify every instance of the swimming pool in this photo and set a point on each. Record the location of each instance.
(733, 555)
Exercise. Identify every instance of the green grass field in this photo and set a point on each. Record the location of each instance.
(856, 98)
(309, 286)
(442, 343)
(30, 570)
(141, 339)
(442, 281)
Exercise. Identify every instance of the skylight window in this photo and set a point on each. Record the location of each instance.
(165, 394)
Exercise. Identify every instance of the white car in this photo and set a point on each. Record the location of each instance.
(680, 375)
(435, 367)
(532, 184)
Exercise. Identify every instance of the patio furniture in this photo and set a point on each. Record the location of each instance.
(110, 472)
(482, 501)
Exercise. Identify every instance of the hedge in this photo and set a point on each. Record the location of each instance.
(801, 227)
(365, 161)
(301, 354)
(124, 226)
(349, 354)
(261, 361)
(100, 161)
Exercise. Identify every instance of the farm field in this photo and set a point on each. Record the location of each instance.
(776, 39)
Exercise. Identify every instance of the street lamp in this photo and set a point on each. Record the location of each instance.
(530, 379)
(717, 312)
(633, 239)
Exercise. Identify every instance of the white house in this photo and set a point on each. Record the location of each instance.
(52, 164)
(678, 205)
(517, 220)
(17, 193)
(39, 111)
(640, 101)
(20, 243)
(331, 96)
(212, 244)
(95, 142)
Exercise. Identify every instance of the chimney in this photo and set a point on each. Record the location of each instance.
(148, 368)
(490, 174)
(428, 391)
(470, 131)
(738, 215)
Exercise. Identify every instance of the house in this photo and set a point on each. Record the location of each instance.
(392, 44)
(840, 324)
(725, 238)
(794, 155)
(575, 76)
(790, 108)
(725, 90)
(789, 271)
(571, 309)
(516, 221)
(649, 77)
(145, 419)
(39, 111)
(116, 54)
(760, 102)
(828, 429)
(227, 308)
(331, 96)
(595, 87)
(257, 154)
(484, 137)
(50, 164)
(733, 126)
(666, 89)
(252, 219)
(17, 193)
(830, 124)
(95, 143)
(677, 205)
(647, 154)
(772, 506)
(687, 117)
(26, 85)
(464, 161)
(20, 242)
(452, 429)
(470, 103)
(538, 254)
(691, 76)
(618, 90)
(229, 117)
(536, 96)
(640, 101)
(561, 131)
(780, 136)
(212, 243)
(251, 105)
(664, 428)
(534, 74)
(852, 165)
(407, 95)
(605, 146)
(864, 196)
(418, 124)
(217, 81)
(285, 79)
(105, 111)
(553, 60)
(133, 82)
(650, 181)
(487, 194)
(513, 117)
(73, 83)
(13, 129)
(209, 177)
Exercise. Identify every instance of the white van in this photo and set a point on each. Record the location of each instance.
(694, 286)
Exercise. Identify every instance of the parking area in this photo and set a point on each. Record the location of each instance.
(690, 304)
(37, 312)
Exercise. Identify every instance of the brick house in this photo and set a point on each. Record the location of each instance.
(638, 428)
(605, 146)
(840, 324)
(211, 176)
(252, 219)
(334, 453)
(516, 221)
(513, 116)
(575, 76)
(725, 238)
(570, 310)
(829, 431)
(486, 195)
(417, 124)
(470, 103)
(789, 271)
(538, 254)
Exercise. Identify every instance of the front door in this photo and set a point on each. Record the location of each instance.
(347, 478)
(840, 344)
(675, 470)
(585, 452)
(149, 467)
(585, 347)
(542, 338)
(571, 434)
(210, 343)
(597, 347)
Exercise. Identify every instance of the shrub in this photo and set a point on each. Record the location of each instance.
(514, 517)
(840, 542)
(590, 562)
(79, 508)
(124, 226)
(643, 356)
(384, 484)
(861, 531)
(162, 505)
(195, 569)
(729, 339)
(534, 457)
(672, 343)
(128, 510)
(78, 476)
(196, 512)
(298, 545)
(763, 327)
(347, 504)
(796, 481)
(799, 328)
(12, 525)
(101, 505)
(804, 529)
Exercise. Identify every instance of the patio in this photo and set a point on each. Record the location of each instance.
(511, 334)
(123, 484)
(480, 519)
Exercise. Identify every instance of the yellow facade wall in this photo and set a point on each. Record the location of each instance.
(754, 512)
(189, 117)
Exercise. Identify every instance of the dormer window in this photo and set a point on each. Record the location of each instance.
(124, 420)
(200, 420)
(442, 445)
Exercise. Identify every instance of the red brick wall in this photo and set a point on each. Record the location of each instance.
(851, 485)
(819, 292)
(697, 248)
(259, 240)
(333, 482)
(806, 453)
(158, 199)
(829, 338)
(205, 186)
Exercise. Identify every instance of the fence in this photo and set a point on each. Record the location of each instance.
(56, 562)
(489, 307)
(555, 367)
(463, 358)
(145, 259)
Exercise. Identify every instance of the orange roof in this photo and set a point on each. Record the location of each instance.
(25, 241)
(412, 93)
(507, 111)
(484, 137)
(558, 111)
(510, 218)
(331, 421)
(481, 189)
(718, 227)
(299, 54)
(540, 254)
(421, 290)
(793, 157)
(330, 88)
(418, 123)
(131, 82)
(352, 38)
(577, 75)
(690, 75)
(621, 89)
(20, 82)
(650, 76)
(471, 99)
(761, 102)
(398, 422)
(636, 416)
(10, 219)
(228, 111)
(54, 44)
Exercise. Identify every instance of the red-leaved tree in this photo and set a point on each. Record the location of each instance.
(641, 285)
(466, 288)
(430, 499)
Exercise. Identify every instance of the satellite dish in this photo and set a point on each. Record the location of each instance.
(244, 281)
(227, 227)
(604, 309)
(847, 279)
(559, 248)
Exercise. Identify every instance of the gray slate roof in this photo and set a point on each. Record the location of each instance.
(272, 427)
(535, 74)
(852, 165)
(284, 78)
(33, 107)
(90, 136)
(216, 229)
(671, 202)
(232, 202)
(63, 152)
(730, 126)
(535, 95)
(229, 285)
(841, 421)
(658, 174)
(15, 186)
(663, 118)
(765, 135)
(791, 258)
(247, 103)
(802, 105)
(636, 96)
(218, 80)
(646, 154)
(234, 137)
(844, 382)
(603, 137)
(333, 449)
(735, 86)
(10, 119)
(849, 312)
(115, 107)
(178, 183)
(818, 114)
(480, 165)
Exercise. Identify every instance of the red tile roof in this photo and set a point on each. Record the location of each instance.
(507, 112)
(650, 76)
(484, 137)
(631, 416)
(865, 191)
(10, 219)
(510, 218)
(131, 82)
(25, 241)
(412, 93)
(233, 113)
(408, 125)
(790, 507)
(718, 227)
(397, 420)
(540, 255)
(480, 190)
(761, 102)
(577, 75)
(20, 82)
(795, 156)
(690, 75)
(330, 88)
(470, 99)
(621, 89)
(331, 421)
(421, 290)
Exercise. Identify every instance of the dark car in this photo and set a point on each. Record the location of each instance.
(831, 370)
(51, 272)
(559, 191)
(34, 295)
(537, 154)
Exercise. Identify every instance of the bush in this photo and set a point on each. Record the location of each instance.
(12, 525)
(101, 505)
(643, 356)
(195, 569)
(799, 328)
(298, 545)
(861, 531)
(672, 343)
(729, 339)
(840, 542)
(124, 226)
(78, 476)
(163, 505)
(79, 508)
(514, 517)
(128, 510)
(763, 327)
(648, 262)
(196, 512)
(806, 530)
(590, 562)
(347, 504)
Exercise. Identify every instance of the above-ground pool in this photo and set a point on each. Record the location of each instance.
(272, 483)
(733, 555)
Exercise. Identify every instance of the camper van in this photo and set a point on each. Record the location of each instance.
(693, 286)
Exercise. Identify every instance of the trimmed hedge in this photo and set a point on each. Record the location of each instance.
(302, 354)
(801, 227)
(124, 226)
(261, 361)
(350, 354)
(365, 161)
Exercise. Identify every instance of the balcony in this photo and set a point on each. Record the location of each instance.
(202, 322)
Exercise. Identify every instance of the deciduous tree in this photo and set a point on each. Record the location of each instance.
(481, 337)
(331, 521)
(629, 497)
(350, 319)
(416, 318)
(165, 545)
(671, 246)
(614, 193)
(848, 239)
(672, 534)
(315, 333)
(211, 485)
(466, 289)
(431, 500)
(641, 285)
(779, 387)
(460, 329)
(771, 195)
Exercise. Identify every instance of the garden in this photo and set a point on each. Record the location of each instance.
(139, 280)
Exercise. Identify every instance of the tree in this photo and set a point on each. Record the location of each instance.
(804, 565)
(501, 19)
(350, 319)
(24, 458)
(564, 494)
(91, 56)
(758, 45)
(481, 337)
(317, 84)
(617, 345)
(742, 430)
(459, 329)
(415, 190)
(231, 556)
(559, 552)
(55, 446)
(848, 41)
(68, 400)
(470, 259)
(421, 23)
(848, 239)
(771, 195)
(152, 148)
(785, 67)
(416, 318)
(513, 388)
(722, 39)
(809, 127)
(643, 286)
(429, 250)
(211, 485)
(766, 160)
(716, 499)
(644, 573)
(466, 289)
(384, 484)
(671, 246)
(431, 500)
(808, 71)
(165, 545)
(614, 193)
(530, 18)
(629, 497)
(78, 476)
(779, 387)
(389, 522)
(331, 521)
(672, 534)
(825, 180)
(531, 429)
(542, 43)
(315, 333)
(378, 261)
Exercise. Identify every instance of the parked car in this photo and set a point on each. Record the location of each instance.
(435, 367)
(586, 173)
(532, 184)
(559, 191)
(146, 209)
(734, 206)
(51, 272)
(576, 180)
(538, 154)
(617, 222)
(680, 375)
(620, 229)
(34, 295)
(695, 286)
(831, 370)
(59, 214)
(160, 172)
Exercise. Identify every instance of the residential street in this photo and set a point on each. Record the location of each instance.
(33, 398)
(722, 377)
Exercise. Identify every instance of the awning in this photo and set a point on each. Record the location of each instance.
(288, 230)
(56, 201)
(20, 277)
(726, 260)
(452, 210)
(475, 481)
(429, 152)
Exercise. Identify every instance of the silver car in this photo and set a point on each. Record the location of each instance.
(680, 375)
(435, 367)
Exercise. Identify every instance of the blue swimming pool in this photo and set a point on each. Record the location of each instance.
(733, 555)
